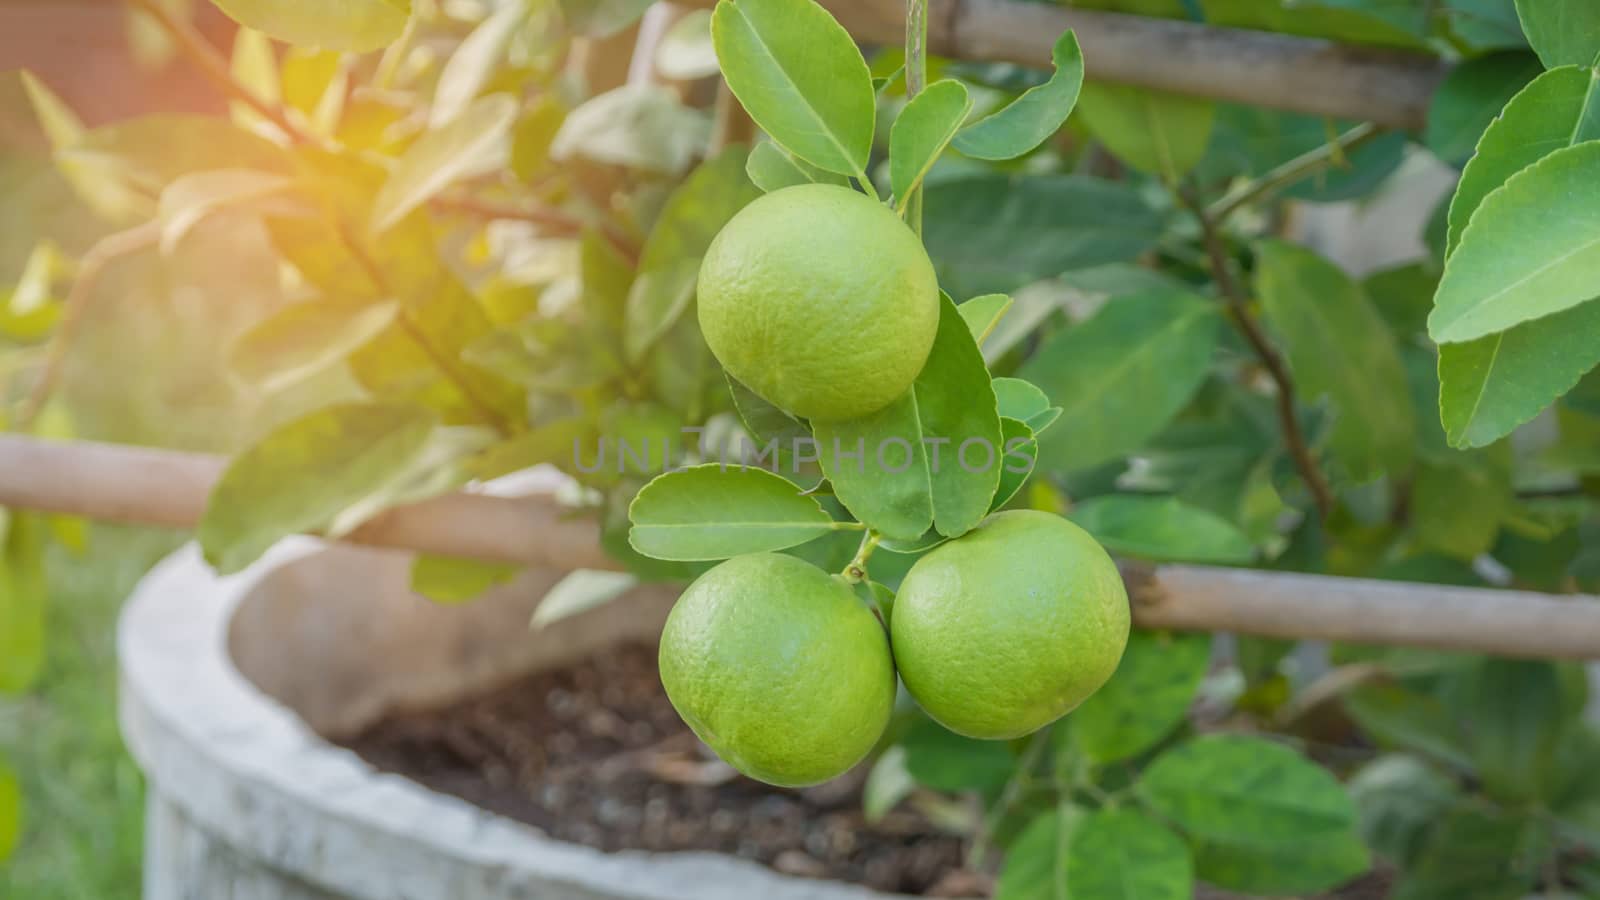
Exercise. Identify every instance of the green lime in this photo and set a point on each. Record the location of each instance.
(1006, 629)
(821, 300)
(779, 668)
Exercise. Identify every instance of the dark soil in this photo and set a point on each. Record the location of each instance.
(595, 754)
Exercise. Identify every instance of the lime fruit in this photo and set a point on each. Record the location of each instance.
(821, 300)
(779, 668)
(1006, 629)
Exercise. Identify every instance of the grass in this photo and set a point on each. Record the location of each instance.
(83, 796)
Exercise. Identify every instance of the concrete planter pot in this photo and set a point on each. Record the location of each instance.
(228, 685)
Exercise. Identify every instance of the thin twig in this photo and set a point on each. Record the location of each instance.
(1020, 778)
(215, 67)
(107, 250)
(1238, 303)
(440, 360)
(1331, 153)
(916, 80)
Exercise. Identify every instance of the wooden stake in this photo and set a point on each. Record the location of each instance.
(158, 487)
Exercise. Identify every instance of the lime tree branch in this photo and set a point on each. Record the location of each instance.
(212, 64)
(916, 80)
(1324, 156)
(106, 251)
(856, 571)
(441, 361)
(1238, 303)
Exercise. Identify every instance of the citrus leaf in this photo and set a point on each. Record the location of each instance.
(711, 512)
(1123, 854)
(1152, 131)
(1036, 862)
(996, 232)
(1145, 700)
(10, 812)
(780, 438)
(1029, 120)
(887, 784)
(1469, 100)
(1123, 374)
(670, 263)
(1398, 717)
(1303, 867)
(1399, 797)
(477, 141)
(307, 473)
(1162, 528)
(1021, 457)
(1562, 32)
(801, 77)
(1468, 854)
(1023, 401)
(303, 339)
(580, 591)
(771, 168)
(1490, 386)
(1339, 347)
(933, 456)
(1459, 502)
(1531, 250)
(24, 595)
(356, 26)
(469, 69)
(946, 761)
(637, 126)
(1558, 109)
(449, 580)
(686, 52)
(921, 132)
(1247, 790)
(187, 201)
(982, 314)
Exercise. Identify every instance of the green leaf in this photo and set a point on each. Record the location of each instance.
(1469, 100)
(1400, 797)
(1339, 348)
(10, 812)
(1122, 375)
(1239, 789)
(1490, 386)
(1032, 118)
(580, 591)
(1531, 250)
(1558, 109)
(1472, 854)
(1485, 24)
(470, 68)
(304, 338)
(1459, 502)
(24, 596)
(993, 233)
(356, 26)
(801, 77)
(602, 18)
(1396, 716)
(946, 761)
(1162, 528)
(449, 580)
(1152, 131)
(1023, 401)
(475, 142)
(1021, 456)
(711, 512)
(921, 132)
(1299, 867)
(917, 461)
(1514, 714)
(189, 200)
(982, 314)
(639, 126)
(308, 473)
(1562, 32)
(1036, 862)
(771, 168)
(1123, 854)
(779, 437)
(670, 263)
(1147, 698)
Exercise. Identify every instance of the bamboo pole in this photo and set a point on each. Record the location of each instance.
(1258, 68)
(164, 488)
